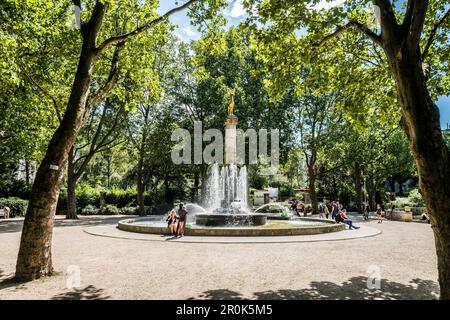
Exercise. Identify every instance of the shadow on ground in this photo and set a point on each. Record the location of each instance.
(16, 226)
(10, 282)
(87, 293)
(353, 289)
(219, 294)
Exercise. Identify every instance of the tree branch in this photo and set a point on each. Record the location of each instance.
(143, 28)
(45, 92)
(433, 34)
(97, 96)
(352, 24)
(419, 11)
(103, 142)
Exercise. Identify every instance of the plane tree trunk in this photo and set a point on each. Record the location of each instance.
(35, 257)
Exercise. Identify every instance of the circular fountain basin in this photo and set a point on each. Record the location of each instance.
(306, 226)
(208, 220)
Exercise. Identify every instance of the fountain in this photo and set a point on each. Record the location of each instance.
(226, 189)
(225, 211)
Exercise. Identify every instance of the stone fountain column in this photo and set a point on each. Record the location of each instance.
(230, 139)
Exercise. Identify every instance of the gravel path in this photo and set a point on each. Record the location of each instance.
(113, 268)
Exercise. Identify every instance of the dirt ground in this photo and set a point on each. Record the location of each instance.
(403, 256)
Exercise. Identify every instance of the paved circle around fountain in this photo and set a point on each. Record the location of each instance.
(114, 232)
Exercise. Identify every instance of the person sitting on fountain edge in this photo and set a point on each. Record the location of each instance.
(342, 217)
(172, 222)
(182, 212)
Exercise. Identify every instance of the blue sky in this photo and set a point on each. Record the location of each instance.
(235, 14)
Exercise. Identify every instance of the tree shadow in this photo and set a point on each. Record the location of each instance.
(11, 282)
(219, 294)
(16, 225)
(88, 293)
(353, 289)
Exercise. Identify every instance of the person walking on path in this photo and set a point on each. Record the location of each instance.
(321, 210)
(379, 213)
(334, 210)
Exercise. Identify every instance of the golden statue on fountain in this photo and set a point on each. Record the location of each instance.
(231, 120)
(231, 105)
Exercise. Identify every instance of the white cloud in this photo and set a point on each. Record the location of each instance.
(237, 9)
(189, 32)
(323, 4)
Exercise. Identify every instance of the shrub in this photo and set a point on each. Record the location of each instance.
(87, 195)
(415, 197)
(110, 209)
(18, 206)
(400, 203)
(120, 197)
(90, 210)
(417, 211)
(286, 191)
(129, 211)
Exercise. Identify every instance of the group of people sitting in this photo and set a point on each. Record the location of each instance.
(299, 208)
(338, 213)
(176, 220)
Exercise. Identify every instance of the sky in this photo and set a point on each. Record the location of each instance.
(235, 13)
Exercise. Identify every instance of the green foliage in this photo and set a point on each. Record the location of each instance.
(89, 197)
(286, 191)
(9, 185)
(86, 195)
(446, 135)
(415, 197)
(129, 211)
(286, 34)
(121, 198)
(18, 206)
(109, 209)
(90, 210)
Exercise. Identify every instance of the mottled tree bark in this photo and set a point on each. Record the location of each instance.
(358, 187)
(71, 188)
(139, 184)
(310, 163)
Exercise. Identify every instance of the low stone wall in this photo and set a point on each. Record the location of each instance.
(132, 225)
(405, 216)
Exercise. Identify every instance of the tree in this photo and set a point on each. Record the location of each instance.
(34, 258)
(317, 122)
(413, 42)
(102, 133)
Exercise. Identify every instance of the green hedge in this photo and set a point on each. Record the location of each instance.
(417, 211)
(88, 197)
(18, 206)
(110, 209)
